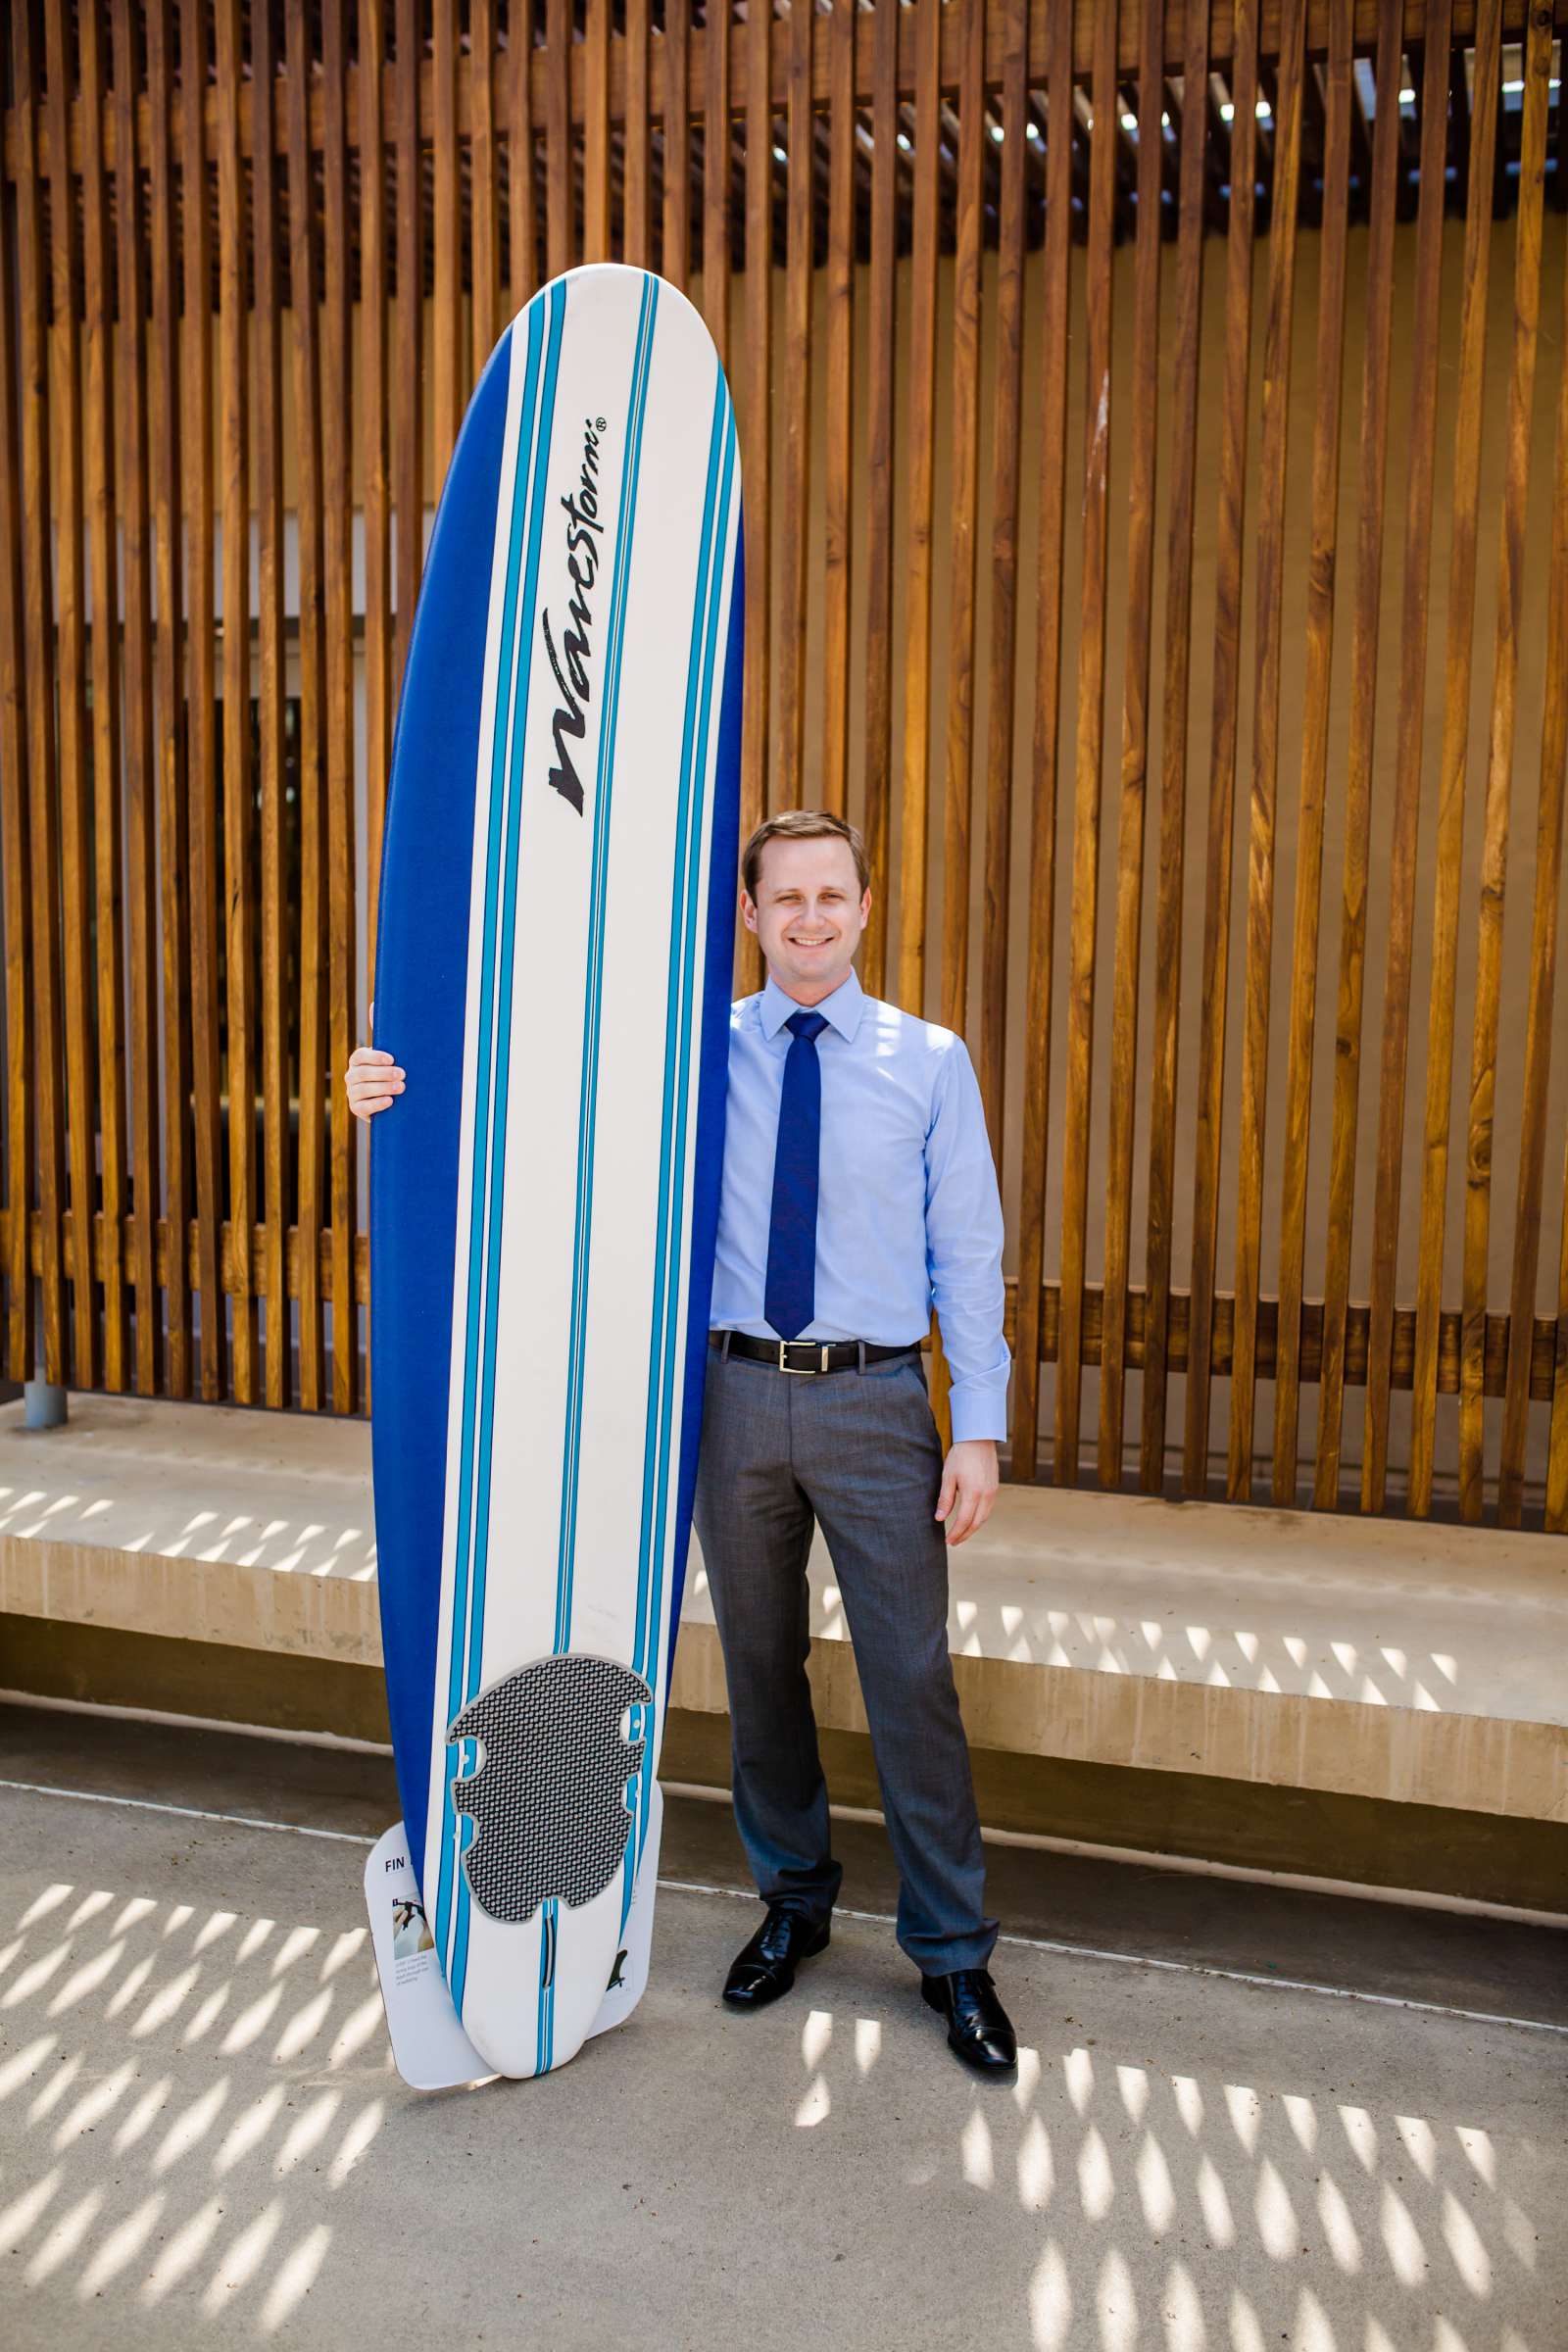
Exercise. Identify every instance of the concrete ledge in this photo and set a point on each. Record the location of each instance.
(1475, 1858)
(1384, 1661)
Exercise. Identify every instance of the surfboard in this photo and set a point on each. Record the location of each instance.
(554, 959)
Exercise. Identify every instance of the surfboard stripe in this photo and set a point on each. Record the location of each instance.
(503, 706)
(497, 1153)
(625, 531)
(593, 1009)
(664, 1329)
(714, 576)
(722, 579)
(490, 1116)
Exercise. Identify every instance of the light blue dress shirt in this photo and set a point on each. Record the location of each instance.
(907, 1211)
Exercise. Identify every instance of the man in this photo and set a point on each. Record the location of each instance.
(858, 1190)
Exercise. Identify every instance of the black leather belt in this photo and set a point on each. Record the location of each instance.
(809, 1355)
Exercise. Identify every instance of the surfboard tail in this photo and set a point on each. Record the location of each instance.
(629, 1978)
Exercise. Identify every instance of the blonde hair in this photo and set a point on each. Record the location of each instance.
(803, 824)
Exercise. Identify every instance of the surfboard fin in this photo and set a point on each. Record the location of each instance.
(628, 1977)
(429, 2048)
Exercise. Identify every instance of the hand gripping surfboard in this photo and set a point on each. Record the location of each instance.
(553, 970)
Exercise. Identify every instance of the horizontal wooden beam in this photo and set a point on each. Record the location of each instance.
(1543, 1352)
(1221, 37)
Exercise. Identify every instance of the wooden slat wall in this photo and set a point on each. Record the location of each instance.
(967, 583)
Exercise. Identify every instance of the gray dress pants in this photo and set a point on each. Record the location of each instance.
(859, 1452)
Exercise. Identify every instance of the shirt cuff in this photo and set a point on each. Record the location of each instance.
(976, 1414)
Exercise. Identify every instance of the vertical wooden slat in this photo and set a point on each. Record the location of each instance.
(1228, 567)
(636, 241)
(676, 260)
(716, 179)
(1090, 739)
(447, 314)
(558, 133)
(757, 453)
(1053, 442)
(1170, 883)
(174, 899)
(132, 474)
(75, 865)
(1424, 356)
(239, 875)
(1274, 438)
(596, 132)
(1318, 664)
(201, 689)
(965, 445)
(1499, 768)
(1145, 403)
(1542, 988)
(98, 468)
(408, 365)
(1358, 772)
(879, 489)
(483, 255)
(337, 605)
(1458, 659)
(795, 486)
(371, 437)
(523, 213)
(834, 791)
(312, 1077)
(921, 365)
(17, 1355)
(1556, 1517)
(38, 592)
(1006, 427)
(276, 1361)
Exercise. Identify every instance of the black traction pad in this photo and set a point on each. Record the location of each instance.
(548, 1798)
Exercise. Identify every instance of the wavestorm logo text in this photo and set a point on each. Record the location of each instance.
(584, 534)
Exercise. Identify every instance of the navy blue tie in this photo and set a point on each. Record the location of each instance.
(790, 1296)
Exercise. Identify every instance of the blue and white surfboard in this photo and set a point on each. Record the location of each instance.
(553, 970)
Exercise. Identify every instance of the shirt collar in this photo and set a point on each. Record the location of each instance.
(842, 1009)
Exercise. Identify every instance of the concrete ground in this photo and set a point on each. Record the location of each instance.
(202, 2140)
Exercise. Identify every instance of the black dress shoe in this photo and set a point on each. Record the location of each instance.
(765, 1966)
(979, 2029)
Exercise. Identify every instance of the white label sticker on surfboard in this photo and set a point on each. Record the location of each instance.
(431, 2050)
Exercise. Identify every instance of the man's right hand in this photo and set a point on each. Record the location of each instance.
(372, 1078)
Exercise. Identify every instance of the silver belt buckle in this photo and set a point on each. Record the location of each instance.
(803, 1371)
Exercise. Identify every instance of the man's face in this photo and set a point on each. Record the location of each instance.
(808, 915)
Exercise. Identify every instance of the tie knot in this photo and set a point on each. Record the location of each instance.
(808, 1025)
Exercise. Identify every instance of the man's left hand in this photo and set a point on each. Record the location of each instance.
(970, 1479)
